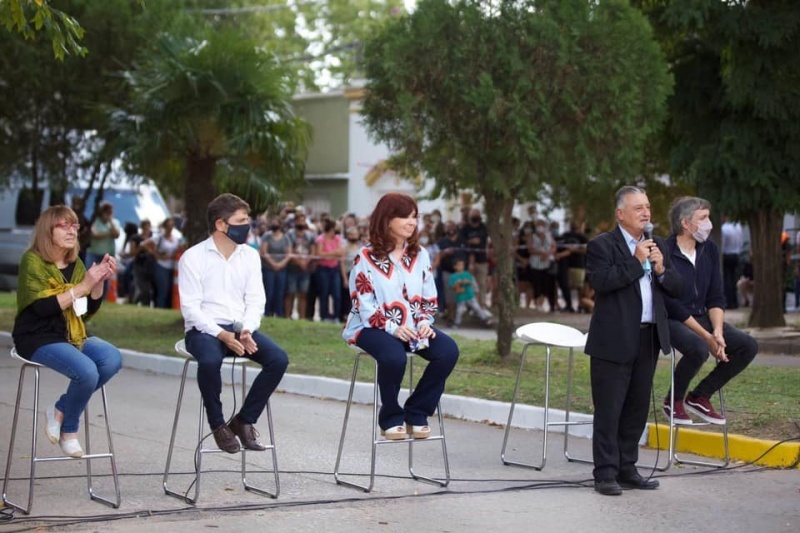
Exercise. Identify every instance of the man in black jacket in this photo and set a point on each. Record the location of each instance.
(697, 319)
(631, 278)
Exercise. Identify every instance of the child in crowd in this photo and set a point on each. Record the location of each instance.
(463, 284)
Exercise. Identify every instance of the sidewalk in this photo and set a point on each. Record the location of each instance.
(484, 494)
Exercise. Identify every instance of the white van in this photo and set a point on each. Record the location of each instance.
(132, 203)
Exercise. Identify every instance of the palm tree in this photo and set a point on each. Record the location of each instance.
(208, 115)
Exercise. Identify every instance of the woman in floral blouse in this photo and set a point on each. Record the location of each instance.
(393, 292)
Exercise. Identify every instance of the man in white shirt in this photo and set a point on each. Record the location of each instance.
(222, 299)
(731, 251)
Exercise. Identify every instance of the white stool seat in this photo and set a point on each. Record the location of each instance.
(33, 458)
(200, 450)
(376, 440)
(549, 335)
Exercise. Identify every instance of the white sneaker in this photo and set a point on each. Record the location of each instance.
(52, 427)
(71, 448)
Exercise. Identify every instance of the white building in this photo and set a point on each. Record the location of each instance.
(344, 166)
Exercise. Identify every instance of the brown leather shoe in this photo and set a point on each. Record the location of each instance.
(226, 440)
(247, 434)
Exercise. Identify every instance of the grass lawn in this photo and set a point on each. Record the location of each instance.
(762, 402)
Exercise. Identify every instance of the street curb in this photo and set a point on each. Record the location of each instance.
(741, 448)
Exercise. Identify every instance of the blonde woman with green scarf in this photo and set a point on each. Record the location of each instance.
(55, 293)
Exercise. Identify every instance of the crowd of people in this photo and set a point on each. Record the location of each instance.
(307, 258)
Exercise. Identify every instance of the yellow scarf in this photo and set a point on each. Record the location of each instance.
(39, 279)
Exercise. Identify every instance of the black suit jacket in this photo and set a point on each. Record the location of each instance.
(614, 274)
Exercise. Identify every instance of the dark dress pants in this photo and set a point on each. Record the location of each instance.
(621, 395)
(390, 354)
(741, 348)
(209, 352)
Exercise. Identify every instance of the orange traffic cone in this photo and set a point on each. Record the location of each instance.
(111, 296)
(176, 293)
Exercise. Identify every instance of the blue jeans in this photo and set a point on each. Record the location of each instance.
(329, 284)
(275, 287)
(163, 282)
(88, 369)
(209, 351)
(390, 354)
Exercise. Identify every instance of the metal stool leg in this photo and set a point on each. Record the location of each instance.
(713, 464)
(511, 411)
(165, 482)
(672, 426)
(112, 458)
(336, 473)
(567, 422)
(32, 470)
(270, 447)
(441, 436)
(546, 425)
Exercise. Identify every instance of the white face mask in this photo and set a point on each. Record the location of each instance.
(703, 230)
(423, 241)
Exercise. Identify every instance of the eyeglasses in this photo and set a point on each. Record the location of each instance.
(66, 226)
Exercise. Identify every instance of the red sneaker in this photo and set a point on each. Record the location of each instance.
(680, 418)
(703, 408)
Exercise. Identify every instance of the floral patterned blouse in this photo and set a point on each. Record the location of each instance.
(387, 293)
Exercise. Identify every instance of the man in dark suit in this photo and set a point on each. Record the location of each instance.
(630, 276)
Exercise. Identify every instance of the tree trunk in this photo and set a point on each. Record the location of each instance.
(769, 269)
(498, 216)
(198, 192)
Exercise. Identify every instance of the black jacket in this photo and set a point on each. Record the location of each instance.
(614, 274)
(702, 282)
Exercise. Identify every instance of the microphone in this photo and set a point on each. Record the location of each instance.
(648, 230)
(648, 234)
(237, 329)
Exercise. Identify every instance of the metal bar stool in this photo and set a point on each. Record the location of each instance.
(88, 456)
(674, 430)
(549, 335)
(200, 450)
(376, 440)
(674, 434)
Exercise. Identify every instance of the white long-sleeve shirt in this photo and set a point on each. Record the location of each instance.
(387, 293)
(215, 290)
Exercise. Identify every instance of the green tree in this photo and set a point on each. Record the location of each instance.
(509, 97)
(29, 18)
(320, 41)
(734, 120)
(212, 113)
(53, 125)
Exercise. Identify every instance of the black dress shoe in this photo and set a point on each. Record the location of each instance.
(247, 434)
(636, 481)
(607, 488)
(226, 440)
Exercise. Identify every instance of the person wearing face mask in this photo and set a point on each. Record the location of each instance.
(451, 249)
(276, 252)
(475, 237)
(352, 245)
(222, 300)
(697, 318)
